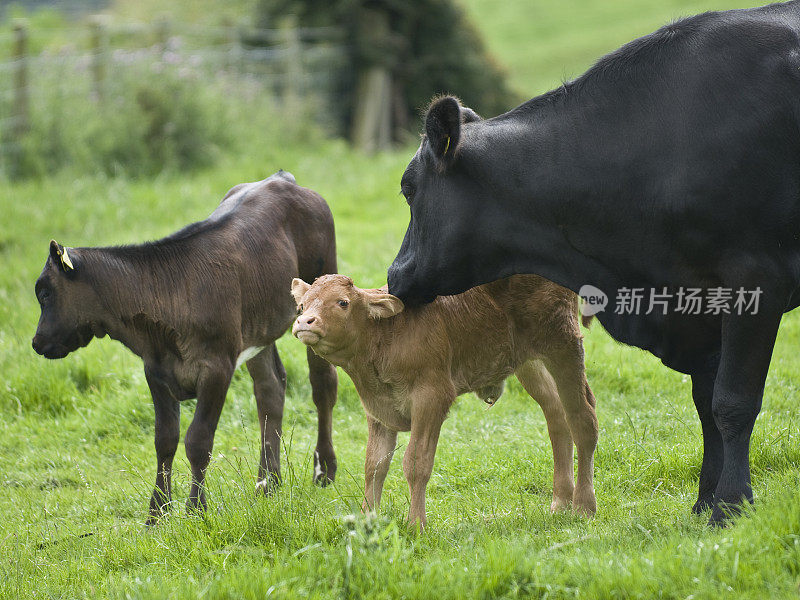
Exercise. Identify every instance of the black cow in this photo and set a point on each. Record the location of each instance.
(672, 165)
(194, 306)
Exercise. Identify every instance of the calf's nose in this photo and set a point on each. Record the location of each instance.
(305, 319)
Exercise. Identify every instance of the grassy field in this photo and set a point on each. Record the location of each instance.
(76, 437)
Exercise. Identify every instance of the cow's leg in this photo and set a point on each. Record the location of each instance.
(380, 449)
(747, 343)
(324, 383)
(702, 393)
(538, 382)
(428, 412)
(269, 386)
(199, 439)
(168, 415)
(565, 364)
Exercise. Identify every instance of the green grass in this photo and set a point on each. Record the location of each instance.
(76, 435)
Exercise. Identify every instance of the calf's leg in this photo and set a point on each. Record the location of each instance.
(324, 383)
(540, 385)
(747, 343)
(199, 439)
(428, 412)
(167, 428)
(269, 386)
(380, 449)
(702, 394)
(565, 364)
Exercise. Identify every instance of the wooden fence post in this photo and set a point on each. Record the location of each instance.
(99, 46)
(293, 89)
(233, 43)
(163, 30)
(372, 117)
(21, 112)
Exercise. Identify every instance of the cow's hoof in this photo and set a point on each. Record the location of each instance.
(560, 504)
(584, 503)
(702, 505)
(324, 471)
(723, 514)
(154, 520)
(267, 487)
(322, 480)
(196, 508)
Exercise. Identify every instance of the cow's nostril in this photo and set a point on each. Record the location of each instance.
(310, 320)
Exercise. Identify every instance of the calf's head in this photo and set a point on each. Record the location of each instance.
(445, 187)
(64, 325)
(332, 313)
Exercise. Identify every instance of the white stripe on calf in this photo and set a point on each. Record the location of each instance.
(247, 354)
(317, 466)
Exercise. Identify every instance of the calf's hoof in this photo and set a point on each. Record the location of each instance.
(584, 503)
(324, 470)
(560, 504)
(417, 526)
(196, 506)
(268, 486)
(159, 507)
(154, 519)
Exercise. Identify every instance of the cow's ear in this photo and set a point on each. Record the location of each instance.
(299, 289)
(60, 256)
(383, 306)
(443, 128)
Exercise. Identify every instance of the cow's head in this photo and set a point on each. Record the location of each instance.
(444, 188)
(64, 324)
(333, 314)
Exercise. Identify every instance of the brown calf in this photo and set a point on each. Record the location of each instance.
(194, 306)
(409, 365)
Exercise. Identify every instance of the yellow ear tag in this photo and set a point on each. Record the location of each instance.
(447, 145)
(66, 262)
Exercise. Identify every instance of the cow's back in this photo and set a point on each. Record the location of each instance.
(486, 333)
(259, 238)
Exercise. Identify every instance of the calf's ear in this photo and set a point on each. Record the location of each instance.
(443, 128)
(383, 306)
(299, 289)
(60, 257)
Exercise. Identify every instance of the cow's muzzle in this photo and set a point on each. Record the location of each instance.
(48, 349)
(303, 331)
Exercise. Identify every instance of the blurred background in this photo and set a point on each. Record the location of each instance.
(136, 87)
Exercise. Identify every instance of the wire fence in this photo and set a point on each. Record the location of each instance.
(95, 64)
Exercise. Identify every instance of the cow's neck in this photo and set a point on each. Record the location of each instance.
(137, 298)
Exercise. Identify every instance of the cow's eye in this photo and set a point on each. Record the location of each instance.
(343, 303)
(408, 192)
(300, 309)
(44, 295)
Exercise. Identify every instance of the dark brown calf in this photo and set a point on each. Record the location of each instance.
(194, 306)
(409, 365)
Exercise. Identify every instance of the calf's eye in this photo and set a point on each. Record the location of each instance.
(300, 309)
(343, 303)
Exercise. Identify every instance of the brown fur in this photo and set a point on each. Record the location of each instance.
(409, 366)
(190, 304)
